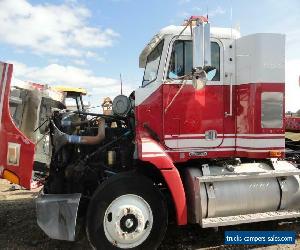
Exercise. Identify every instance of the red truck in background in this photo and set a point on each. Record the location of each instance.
(16, 149)
(25, 108)
(292, 120)
(292, 123)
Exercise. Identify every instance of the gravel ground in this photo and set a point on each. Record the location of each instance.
(18, 228)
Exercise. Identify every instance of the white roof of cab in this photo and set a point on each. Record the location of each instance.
(224, 33)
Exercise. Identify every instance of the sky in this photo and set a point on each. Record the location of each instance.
(88, 43)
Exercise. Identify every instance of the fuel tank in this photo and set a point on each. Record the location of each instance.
(240, 196)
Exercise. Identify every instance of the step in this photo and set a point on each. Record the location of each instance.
(245, 176)
(248, 218)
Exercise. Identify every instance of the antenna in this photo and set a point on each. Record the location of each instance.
(207, 12)
(121, 84)
(231, 19)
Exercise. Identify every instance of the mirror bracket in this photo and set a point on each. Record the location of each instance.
(202, 75)
(199, 78)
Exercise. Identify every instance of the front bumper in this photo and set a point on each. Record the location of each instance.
(57, 214)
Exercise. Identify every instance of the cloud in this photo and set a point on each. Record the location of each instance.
(288, 25)
(79, 62)
(51, 29)
(55, 74)
(183, 1)
(196, 11)
(292, 42)
(292, 90)
(215, 12)
(90, 54)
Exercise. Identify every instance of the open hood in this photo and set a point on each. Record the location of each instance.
(16, 150)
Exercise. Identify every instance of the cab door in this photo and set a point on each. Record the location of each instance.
(193, 119)
(16, 150)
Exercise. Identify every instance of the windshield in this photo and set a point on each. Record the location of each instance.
(152, 65)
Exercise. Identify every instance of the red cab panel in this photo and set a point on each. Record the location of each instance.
(16, 150)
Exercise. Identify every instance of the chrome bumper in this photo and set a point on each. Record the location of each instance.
(57, 214)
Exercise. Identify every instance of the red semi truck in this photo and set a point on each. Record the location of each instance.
(25, 110)
(201, 141)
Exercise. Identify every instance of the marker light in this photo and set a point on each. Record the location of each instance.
(275, 153)
(11, 177)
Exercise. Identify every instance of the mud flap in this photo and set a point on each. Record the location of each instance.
(57, 214)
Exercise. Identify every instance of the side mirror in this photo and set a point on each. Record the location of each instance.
(201, 76)
(202, 71)
(201, 44)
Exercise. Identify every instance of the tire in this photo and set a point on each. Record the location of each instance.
(127, 212)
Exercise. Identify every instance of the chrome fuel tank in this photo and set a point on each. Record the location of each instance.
(253, 194)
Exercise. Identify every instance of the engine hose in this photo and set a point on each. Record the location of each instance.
(107, 145)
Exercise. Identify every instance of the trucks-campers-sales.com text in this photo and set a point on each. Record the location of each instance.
(260, 237)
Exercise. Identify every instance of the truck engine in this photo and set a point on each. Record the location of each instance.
(88, 148)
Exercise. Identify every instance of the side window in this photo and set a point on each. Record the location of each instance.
(181, 62)
(152, 65)
(272, 109)
(215, 59)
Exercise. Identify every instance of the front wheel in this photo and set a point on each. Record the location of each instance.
(127, 212)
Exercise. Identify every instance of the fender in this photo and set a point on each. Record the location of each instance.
(150, 151)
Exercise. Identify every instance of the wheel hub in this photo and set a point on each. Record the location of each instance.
(128, 221)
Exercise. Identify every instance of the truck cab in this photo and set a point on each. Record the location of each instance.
(228, 116)
(73, 97)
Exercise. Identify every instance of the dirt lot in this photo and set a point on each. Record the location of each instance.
(18, 229)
